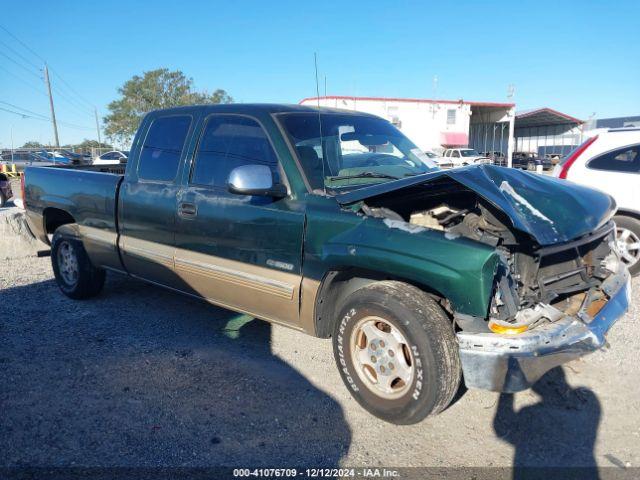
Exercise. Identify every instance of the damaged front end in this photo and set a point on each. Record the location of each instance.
(549, 306)
(559, 286)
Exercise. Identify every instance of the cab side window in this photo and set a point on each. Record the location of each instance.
(625, 159)
(162, 148)
(455, 154)
(227, 142)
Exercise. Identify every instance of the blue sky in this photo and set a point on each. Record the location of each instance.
(577, 57)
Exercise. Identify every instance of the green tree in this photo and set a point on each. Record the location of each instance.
(87, 144)
(159, 88)
(32, 144)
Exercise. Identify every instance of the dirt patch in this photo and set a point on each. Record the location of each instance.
(16, 240)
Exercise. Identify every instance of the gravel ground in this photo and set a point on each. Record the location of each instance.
(143, 377)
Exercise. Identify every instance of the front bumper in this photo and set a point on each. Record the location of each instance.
(510, 363)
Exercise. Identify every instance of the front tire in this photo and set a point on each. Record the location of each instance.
(76, 276)
(628, 241)
(396, 352)
(3, 200)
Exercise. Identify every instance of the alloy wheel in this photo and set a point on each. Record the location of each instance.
(382, 357)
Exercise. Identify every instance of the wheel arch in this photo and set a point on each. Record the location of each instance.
(627, 212)
(53, 218)
(339, 283)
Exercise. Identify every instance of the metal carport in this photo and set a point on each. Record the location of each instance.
(546, 131)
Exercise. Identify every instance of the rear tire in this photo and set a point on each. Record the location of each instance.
(396, 352)
(3, 200)
(76, 276)
(628, 241)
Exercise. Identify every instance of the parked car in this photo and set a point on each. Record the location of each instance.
(419, 275)
(497, 158)
(438, 160)
(112, 158)
(464, 156)
(555, 158)
(56, 158)
(610, 162)
(23, 159)
(77, 158)
(530, 161)
(5, 189)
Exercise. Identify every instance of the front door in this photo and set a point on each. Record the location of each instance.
(242, 252)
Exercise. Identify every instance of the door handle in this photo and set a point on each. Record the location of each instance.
(187, 210)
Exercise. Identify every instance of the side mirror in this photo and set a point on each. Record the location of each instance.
(255, 180)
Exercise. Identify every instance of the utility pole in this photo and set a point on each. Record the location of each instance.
(95, 111)
(53, 112)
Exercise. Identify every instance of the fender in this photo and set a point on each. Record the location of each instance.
(459, 269)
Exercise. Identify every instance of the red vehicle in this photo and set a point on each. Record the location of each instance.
(5, 189)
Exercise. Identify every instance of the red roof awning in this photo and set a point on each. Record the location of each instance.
(454, 139)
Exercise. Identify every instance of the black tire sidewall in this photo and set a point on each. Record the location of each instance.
(3, 200)
(56, 242)
(421, 397)
(90, 278)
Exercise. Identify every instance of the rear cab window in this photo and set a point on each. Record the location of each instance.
(162, 148)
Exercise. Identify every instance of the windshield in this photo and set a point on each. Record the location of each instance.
(469, 152)
(355, 149)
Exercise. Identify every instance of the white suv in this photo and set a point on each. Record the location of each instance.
(464, 156)
(610, 161)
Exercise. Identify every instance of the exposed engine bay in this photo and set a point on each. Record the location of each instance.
(534, 283)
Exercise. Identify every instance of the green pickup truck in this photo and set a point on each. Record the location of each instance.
(333, 223)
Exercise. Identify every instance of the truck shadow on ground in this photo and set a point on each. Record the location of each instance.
(558, 431)
(143, 377)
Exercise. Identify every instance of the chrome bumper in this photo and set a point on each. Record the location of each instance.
(510, 363)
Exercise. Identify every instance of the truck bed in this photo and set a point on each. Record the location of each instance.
(88, 194)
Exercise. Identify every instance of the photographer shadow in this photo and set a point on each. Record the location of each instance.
(139, 376)
(555, 436)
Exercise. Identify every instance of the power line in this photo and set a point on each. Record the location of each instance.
(24, 109)
(21, 65)
(71, 88)
(18, 54)
(84, 110)
(22, 43)
(23, 81)
(68, 86)
(67, 97)
(45, 119)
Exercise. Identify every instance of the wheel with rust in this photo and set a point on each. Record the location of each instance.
(396, 352)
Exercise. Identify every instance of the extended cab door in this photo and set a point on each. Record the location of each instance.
(241, 252)
(147, 200)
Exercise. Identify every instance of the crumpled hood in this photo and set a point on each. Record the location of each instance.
(550, 210)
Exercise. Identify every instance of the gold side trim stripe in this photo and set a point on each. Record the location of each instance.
(100, 239)
(156, 257)
(219, 303)
(237, 277)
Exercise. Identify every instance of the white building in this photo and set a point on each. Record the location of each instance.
(437, 124)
